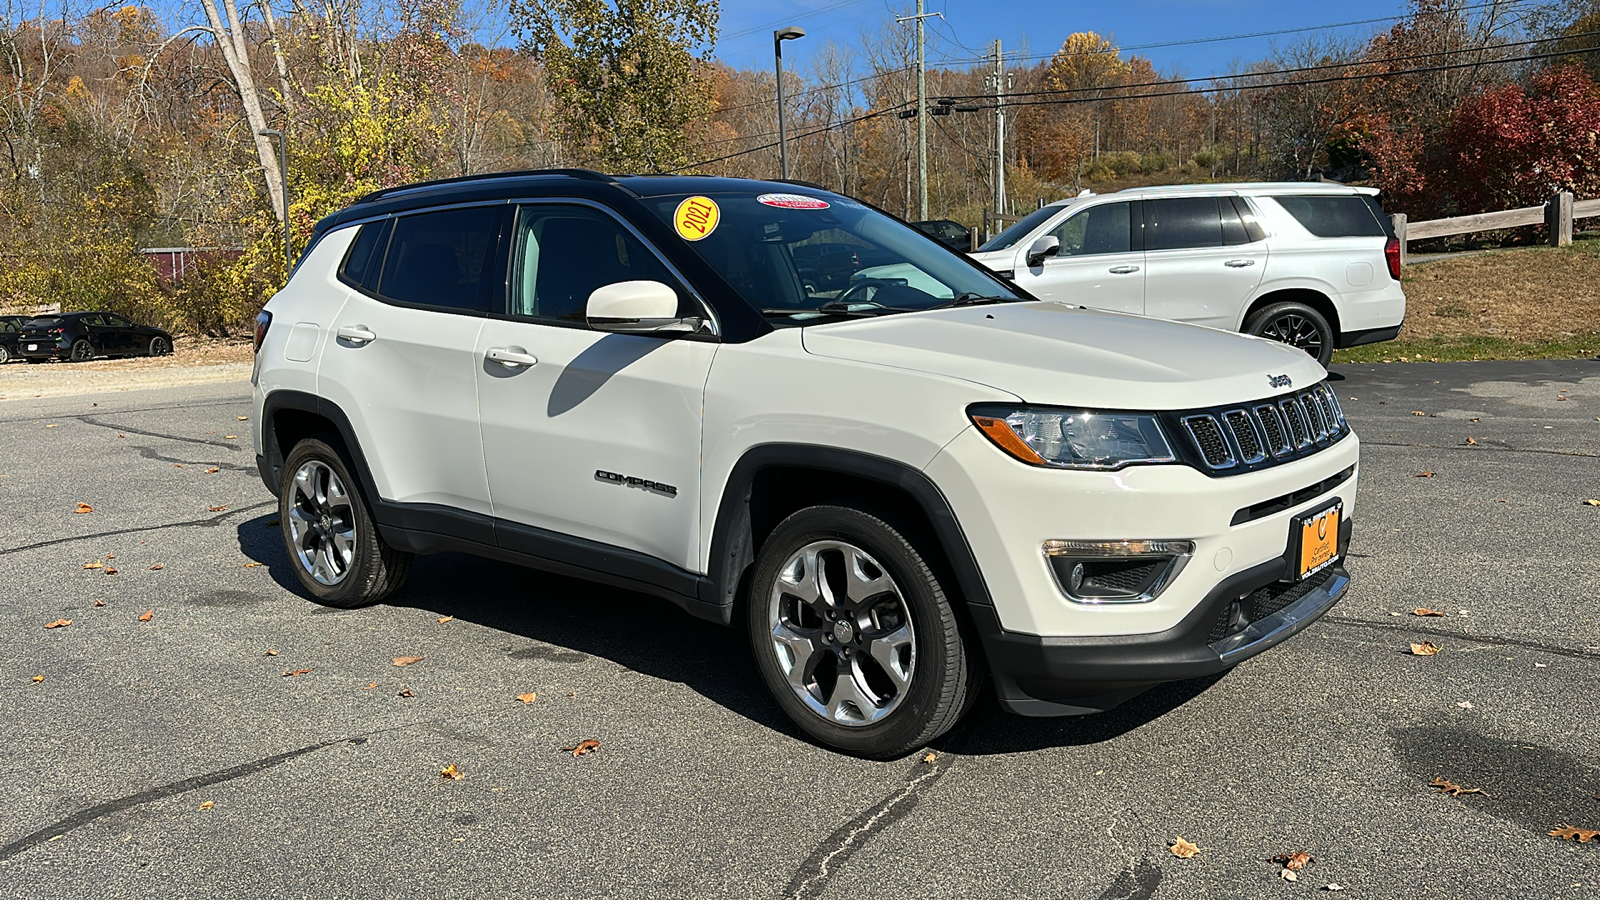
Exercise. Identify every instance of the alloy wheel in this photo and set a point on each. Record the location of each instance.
(1296, 331)
(82, 351)
(322, 523)
(160, 346)
(842, 633)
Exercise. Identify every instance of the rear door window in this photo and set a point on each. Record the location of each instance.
(1180, 223)
(444, 259)
(1336, 216)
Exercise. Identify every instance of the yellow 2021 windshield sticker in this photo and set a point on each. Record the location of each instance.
(696, 218)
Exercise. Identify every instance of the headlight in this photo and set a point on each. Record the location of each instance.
(1074, 438)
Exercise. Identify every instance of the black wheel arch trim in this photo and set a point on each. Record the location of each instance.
(733, 547)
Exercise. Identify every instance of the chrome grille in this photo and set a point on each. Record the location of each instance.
(1242, 426)
(1276, 430)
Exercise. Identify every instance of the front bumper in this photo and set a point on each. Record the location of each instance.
(1247, 613)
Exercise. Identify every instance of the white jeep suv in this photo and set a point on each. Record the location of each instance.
(897, 487)
(1316, 266)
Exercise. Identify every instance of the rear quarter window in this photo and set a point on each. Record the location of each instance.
(1333, 217)
(361, 264)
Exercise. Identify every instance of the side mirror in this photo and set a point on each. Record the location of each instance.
(1043, 249)
(637, 307)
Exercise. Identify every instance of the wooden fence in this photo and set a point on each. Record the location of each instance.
(1558, 213)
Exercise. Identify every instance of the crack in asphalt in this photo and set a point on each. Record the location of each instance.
(208, 522)
(91, 420)
(111, 807)
(151, 453)
(813, 873)
(1568, 652)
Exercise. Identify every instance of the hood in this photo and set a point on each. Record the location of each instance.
(998, 260)
(1049, 353)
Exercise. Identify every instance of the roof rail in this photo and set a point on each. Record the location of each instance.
(585, 174)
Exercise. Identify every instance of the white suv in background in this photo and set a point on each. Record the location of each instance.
(895, 487)
(1313, 265)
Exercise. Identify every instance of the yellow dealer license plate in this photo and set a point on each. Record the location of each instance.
(1319, 541)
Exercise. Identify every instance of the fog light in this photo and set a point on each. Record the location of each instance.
(1116, 571)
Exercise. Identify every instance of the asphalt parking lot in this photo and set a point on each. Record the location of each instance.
(174, 758)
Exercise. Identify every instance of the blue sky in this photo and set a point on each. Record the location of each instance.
(1041, 25)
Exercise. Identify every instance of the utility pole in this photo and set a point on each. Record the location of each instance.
(999, 78)
(922, 110)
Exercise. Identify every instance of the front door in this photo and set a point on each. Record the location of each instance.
(1097, 266)
(585, 433)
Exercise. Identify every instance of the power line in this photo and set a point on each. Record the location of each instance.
(813, 132)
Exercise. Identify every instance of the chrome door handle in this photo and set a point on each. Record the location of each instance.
(1239, 263)
(512, 357)
(1123, 270)
(355, 334)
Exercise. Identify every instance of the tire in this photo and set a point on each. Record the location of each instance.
(159, 346)
(874, 648)
(82, 351)
(1297, 325)
(5, 355)
(329, 534)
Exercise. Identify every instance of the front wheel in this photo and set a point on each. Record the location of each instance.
(855, 635)
(1297, 325)
(82, 350)
(330, 536)
(5, 355)
(160, 346)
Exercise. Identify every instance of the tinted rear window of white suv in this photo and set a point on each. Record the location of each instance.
(1331, 217)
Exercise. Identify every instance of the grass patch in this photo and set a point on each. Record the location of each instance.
(1467, 347)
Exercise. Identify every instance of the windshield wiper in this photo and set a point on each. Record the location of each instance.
(973, 298)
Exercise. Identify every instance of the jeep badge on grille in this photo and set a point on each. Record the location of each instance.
(1279, 381)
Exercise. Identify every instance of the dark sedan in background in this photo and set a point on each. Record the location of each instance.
(85, 335)
(10, 330)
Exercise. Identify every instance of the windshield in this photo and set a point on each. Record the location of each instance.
(797, 257)
(1007, 239)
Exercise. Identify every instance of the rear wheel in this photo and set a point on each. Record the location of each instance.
(5, 355)
(1297, 325)
(854, 634)
(82, 350)
(160, 346)
(330, 536)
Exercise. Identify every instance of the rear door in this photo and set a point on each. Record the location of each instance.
(1099, 265)
(1204, 257)
(400, 361)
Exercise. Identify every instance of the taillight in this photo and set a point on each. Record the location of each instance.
(1391, 255)
(263, 322)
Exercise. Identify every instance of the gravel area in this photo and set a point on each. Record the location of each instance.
(194, 361)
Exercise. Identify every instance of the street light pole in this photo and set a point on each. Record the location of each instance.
(786, 33)
(283, 176)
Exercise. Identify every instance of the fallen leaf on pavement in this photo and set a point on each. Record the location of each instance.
(1288, 875)
(1418, 412)
(1333, 887)
(54, 425)
(270, 653)
(148, 614)
(97, 564)
(452, 773)
(253, 565)
(1591, 502)
(370, 686)
(213, 470)
(207, 805)
(929, 758)
(1471, 441)
(444, 619)
(99, 603)
(178, 465)
(216, 509)
(1294, 861)
(1465, 704)
(110, 570)
(1568, 833)
(83, 508)
(158, 567)
(406, 693)
(59, 623)
(38, 678)
(230, 436)
(1423, 475)
(1475, 419)
(241, 418)
(295, 672)
(1424, 611)
(582, 748)
(113, 555)
(1426, 648)
(529, 697)
(1182, 849)
(407, 660)
(1444, 786)
(1561, 398)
